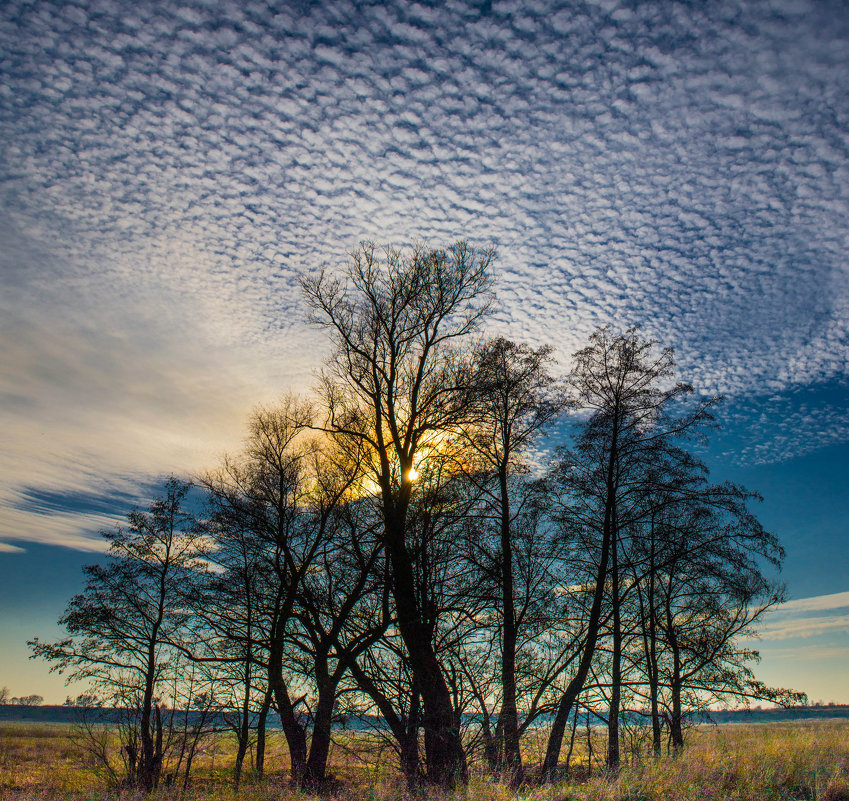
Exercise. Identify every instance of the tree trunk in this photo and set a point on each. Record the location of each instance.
(572, 739)
(490, 740)
(260, 732)
(509, 717)
(145, 767)
(316, 768)
(443, 747)
(410, 745)
(676, 731)
(576, 685)
(573, 690)
(613, 755)
(405, 732)
(653, 670)
(296, 738)
(243, 735)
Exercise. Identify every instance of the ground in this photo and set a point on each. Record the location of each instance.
(745, 762)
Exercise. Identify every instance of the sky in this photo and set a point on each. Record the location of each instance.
(169, 170)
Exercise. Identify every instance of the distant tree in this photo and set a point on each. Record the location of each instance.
(124, 622)
(4, 695)
(87, 700)
(31, 700)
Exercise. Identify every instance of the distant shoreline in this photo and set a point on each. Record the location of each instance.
(70, 714)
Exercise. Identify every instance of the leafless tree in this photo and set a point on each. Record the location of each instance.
(624, 383)
(515, 399)
(395, 384)
(123, 622)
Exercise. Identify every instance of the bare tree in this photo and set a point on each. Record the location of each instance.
(300, 564)
(123, 622)
(624, 383)
(394, 384)
(516, 398)
(710, 591)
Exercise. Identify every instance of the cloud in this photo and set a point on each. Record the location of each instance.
(818, 603)
(169, 172)
(765, 429)
(808, 617)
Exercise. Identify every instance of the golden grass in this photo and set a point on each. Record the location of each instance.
(736, 762)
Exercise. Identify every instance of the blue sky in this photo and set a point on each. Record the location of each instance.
(167, 171)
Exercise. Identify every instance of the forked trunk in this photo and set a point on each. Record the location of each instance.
(443, 748)
(296, 738)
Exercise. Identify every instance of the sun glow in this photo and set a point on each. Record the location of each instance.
(413, 474)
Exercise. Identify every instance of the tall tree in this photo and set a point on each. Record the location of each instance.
(623, 383)
(516, 398)
(394, 383)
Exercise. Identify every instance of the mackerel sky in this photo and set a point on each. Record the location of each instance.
(167, 171)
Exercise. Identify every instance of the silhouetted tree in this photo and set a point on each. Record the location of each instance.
(394, 383)
(123, 622)
(623, 383)
(515, 400)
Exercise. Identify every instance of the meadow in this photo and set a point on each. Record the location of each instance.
(744, 762)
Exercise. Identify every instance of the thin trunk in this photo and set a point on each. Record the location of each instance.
(653, 671)
(148, 767)
(613, 755)
(260, 732)
(405, 732)
(243, 735)
(192, 751)
(145, 770)
(573, 690)
(572, 739)
(576, 685)
(509, 717)
(676, 733)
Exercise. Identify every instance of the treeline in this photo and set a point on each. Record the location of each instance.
(24, 700)
(409, 544)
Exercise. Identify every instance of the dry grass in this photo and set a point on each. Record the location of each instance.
(751, 762)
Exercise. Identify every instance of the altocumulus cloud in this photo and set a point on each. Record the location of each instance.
(168, 171)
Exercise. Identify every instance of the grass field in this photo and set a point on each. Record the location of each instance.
(744, 762)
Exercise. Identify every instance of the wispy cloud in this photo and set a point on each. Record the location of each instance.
(808, 617)
(169, 171)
